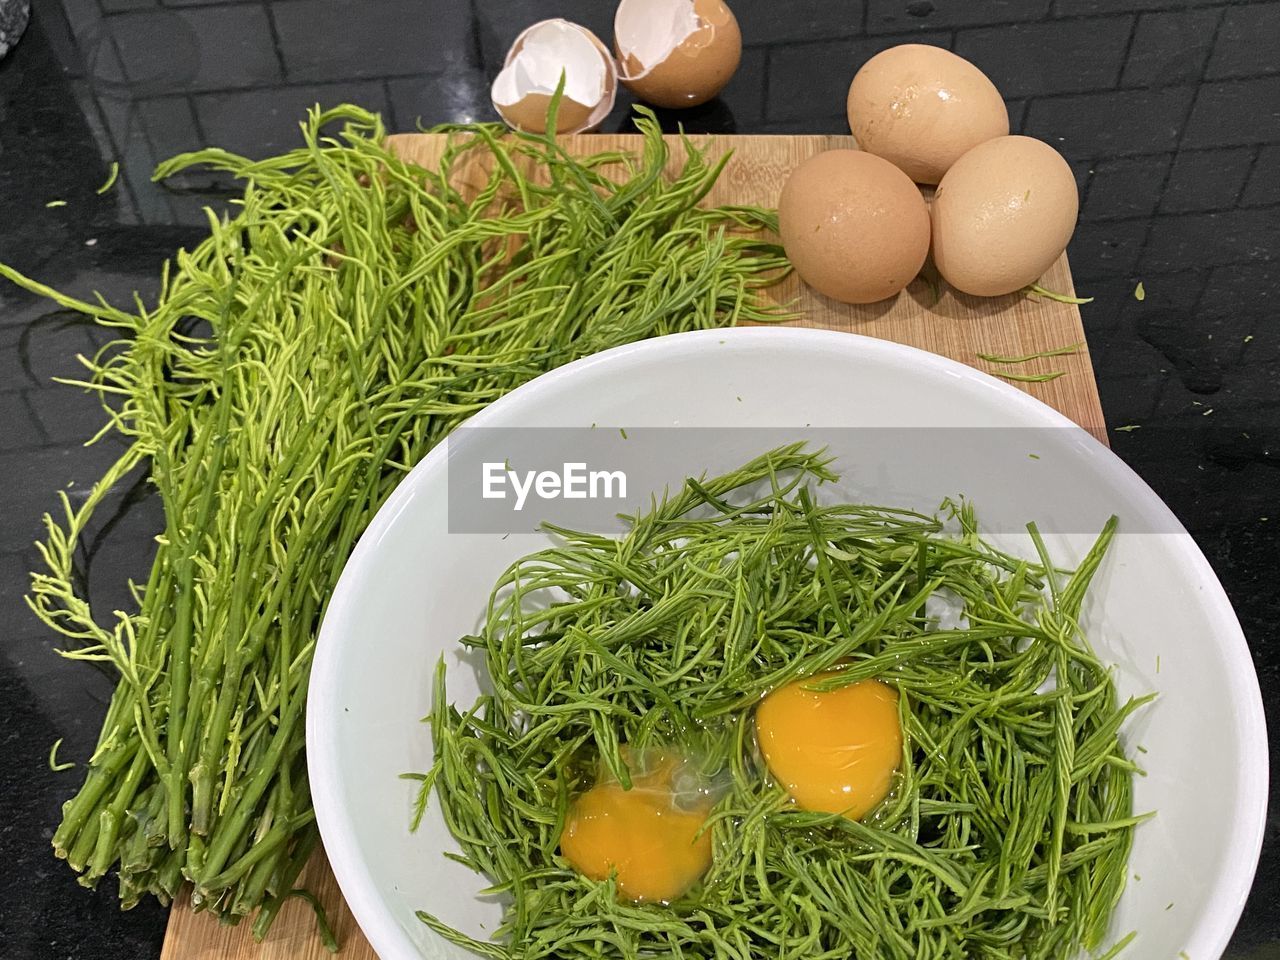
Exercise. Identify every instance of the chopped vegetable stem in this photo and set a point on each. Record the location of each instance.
(54, 765)
(112, 176)
(1030, 377)
(1028, 357)
(1040, 291)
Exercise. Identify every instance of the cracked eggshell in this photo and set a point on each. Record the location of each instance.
(676, 53)
(522, 91)
(922, 108)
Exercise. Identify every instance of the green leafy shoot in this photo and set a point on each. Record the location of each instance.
(337, 324)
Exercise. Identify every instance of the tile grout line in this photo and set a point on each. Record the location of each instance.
(276, 47)
(922, 26)
(120, 148)
(393, 122)
(195, 117)
(477, 44)
(764, 85)
(1128, 49)
(35, 421)
(1036, 97)
(1170, 8)
(1091, 170)
(1248, 176)
(1182, 133)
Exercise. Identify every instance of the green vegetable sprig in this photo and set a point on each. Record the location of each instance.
(1009, 829)
(1063, 351)
(352, 311)
(1040, 291)
(1027, 358)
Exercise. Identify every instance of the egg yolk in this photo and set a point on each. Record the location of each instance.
(834, 751)
(640, 835)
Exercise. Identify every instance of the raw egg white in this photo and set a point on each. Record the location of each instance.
(1002, 216)
(648, 836)
(853, 225)
(922, 108)
(676, 53)
(522, 91)
(835, 751)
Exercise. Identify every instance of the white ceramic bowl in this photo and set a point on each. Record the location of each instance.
(1156, 611)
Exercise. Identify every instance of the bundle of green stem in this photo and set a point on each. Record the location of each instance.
(296, 363)
(1008, 831)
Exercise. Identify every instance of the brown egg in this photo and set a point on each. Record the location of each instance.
(522, 91)
(854, 226)
(1002, 215)
(676, 53)
(922, 108)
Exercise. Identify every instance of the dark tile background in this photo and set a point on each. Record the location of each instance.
(1168, 110)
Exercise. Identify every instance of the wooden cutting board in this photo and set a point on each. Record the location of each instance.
(955, 325)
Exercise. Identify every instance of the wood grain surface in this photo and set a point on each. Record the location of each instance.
(955, 325)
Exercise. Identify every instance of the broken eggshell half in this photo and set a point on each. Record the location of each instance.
(676, 53)
(523, 90)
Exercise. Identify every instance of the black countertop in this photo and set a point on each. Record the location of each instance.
(1169, 111)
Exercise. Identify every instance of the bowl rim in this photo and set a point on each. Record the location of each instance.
(1219, 913)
